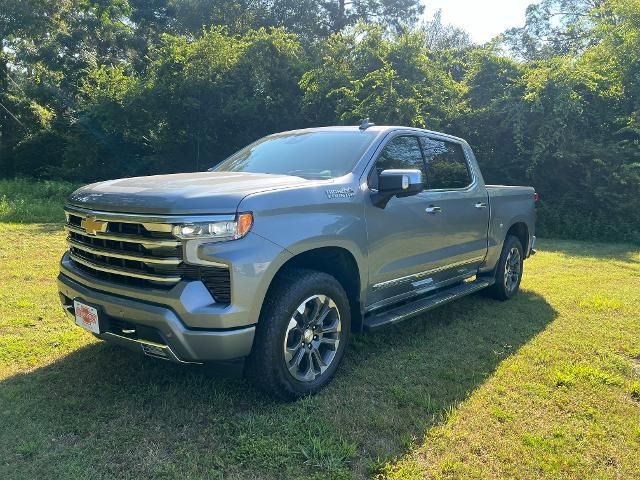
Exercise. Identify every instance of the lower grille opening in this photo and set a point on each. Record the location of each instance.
(134, 331)
(216, 279)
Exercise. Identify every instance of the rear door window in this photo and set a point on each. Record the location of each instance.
(447, 167)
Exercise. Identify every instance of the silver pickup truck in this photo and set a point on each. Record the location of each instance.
(284, 249)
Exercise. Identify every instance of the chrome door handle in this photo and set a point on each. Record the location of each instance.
(481, 205)
(433, 209)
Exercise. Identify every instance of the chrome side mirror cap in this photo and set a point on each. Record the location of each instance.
(397, 183)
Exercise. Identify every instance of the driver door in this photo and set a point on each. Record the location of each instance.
(400, 239)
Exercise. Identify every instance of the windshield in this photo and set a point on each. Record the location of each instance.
(323, 155)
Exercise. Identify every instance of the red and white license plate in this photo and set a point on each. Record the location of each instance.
(86, 316)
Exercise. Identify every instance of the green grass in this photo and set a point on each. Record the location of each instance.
(544, 386)
(26, 201)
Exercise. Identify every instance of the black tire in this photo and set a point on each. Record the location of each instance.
(268, 365)
(508, 280)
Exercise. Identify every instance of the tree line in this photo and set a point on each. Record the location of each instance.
(97, 89)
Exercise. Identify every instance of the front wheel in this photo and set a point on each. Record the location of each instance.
(301, 336)
(509, 270)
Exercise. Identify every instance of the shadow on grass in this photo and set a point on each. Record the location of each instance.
(106, 412)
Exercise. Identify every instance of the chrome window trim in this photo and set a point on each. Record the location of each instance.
(418, 133)
(470, 169)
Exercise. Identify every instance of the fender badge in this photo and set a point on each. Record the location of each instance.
(340, 193)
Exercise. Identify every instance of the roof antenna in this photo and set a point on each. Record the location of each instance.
(366, 124)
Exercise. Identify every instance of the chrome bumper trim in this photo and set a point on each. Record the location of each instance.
(169, 354)
(189, 337)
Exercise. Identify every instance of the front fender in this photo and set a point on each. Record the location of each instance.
(300, 220)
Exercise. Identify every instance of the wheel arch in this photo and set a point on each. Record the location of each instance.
(520, 230)
(338, 262)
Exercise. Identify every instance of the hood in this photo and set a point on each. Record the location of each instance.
(179, 194)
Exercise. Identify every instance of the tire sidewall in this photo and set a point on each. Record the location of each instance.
(314, 284)
(510, 243)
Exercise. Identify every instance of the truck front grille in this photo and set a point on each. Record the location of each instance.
(139, 254)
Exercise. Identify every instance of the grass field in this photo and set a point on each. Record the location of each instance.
(544, 386)
(26, 201)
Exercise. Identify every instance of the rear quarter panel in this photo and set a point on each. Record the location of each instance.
(509, 205)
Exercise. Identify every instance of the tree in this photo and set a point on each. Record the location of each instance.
(92, 89)
(439, 36)
(393, 81)
(198, 102)
(554, 27)
(394, 13)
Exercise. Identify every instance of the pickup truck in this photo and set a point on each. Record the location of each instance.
(274, 257)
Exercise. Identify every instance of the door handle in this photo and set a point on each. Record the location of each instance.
(481, 205)
(433, 209)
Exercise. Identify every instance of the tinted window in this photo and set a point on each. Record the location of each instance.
(446, 164)
(399, 153)
(326, 154)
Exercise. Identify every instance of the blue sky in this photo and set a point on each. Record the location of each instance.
(483, 19)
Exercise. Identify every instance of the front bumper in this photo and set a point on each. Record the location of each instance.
(155, 329)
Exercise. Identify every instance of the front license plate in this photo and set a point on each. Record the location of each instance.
(86, 316)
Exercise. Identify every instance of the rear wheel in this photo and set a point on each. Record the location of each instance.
(302, 334)
(509, 270)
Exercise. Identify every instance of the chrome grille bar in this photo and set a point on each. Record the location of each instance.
(139, 250)
(146, 241)
(125, 271)
(129, 249)
(115, 254)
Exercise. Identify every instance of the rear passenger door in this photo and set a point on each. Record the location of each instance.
(459, 205)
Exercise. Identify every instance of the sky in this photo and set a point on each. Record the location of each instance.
(483, 19)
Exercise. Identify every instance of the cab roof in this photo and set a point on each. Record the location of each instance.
(380, 129)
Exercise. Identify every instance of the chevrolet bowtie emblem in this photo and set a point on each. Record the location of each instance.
(93, 226)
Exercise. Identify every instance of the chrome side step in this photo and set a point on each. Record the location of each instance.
(425, 304)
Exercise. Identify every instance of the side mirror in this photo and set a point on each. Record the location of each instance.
(397, 183)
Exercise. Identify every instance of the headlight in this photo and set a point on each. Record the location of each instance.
(221, 231)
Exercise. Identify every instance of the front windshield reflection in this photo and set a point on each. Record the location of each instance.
(320, 155)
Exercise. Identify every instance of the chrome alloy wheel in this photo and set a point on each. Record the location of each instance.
(512, 269)
(312, 338)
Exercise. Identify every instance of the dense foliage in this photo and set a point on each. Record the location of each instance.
(94, 89)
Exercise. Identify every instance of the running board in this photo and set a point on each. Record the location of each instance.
(425, 304)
